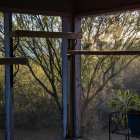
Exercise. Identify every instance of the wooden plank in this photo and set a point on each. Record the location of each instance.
(65, 78)
(68, 86)
(34, 12)
(77, 82)
(8, 78)
(13, 60)
(44, 34)
(71, 67)
(115, 10)
(77, 52)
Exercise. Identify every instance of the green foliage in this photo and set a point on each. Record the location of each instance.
(41, 85)
(125, 102)
(107, 32)
(38, 87)
(45, 54)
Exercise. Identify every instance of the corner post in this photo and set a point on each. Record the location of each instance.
(8, 78)
(71, 80)
(65, 78)
(77, 95)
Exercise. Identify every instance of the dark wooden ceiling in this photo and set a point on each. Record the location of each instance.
(66, 7)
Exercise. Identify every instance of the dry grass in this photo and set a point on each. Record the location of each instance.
(35, 134)
(56, 134)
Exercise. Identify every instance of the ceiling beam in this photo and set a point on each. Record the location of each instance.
(108, 11)
(34, 12)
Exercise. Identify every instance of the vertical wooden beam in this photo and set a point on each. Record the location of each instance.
(77, 95)
(8, 77)
(68, 80)
(71, 80)
(72, 86)
(65, 78)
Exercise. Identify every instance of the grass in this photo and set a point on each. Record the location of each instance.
(34, 134)
(56, 134)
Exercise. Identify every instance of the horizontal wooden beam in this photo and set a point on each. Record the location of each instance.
(44, 34)
(108, 11)
(78, 52)
(34, 11)
(14, 60)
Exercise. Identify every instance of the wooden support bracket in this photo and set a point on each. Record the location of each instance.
(44, 34)
(13, 60)
(77, 52)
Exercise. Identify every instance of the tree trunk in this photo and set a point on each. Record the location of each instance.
(58, 105)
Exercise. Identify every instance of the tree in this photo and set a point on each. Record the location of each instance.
(46, 53)
(113, 32)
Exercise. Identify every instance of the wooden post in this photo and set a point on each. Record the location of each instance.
(65, 78)
(8, 78)
(71, 80)
(68, 88)
(77, 95)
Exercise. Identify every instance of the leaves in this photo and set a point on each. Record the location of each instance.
(111, 32)
(123, 102)
(1, 15)
(126, 93)
(119, 95)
